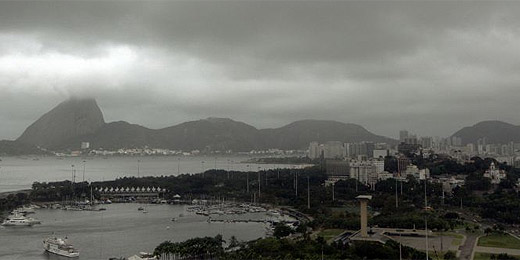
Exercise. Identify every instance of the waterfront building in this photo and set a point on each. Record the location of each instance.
(314, 150)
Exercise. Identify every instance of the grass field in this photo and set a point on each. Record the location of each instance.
(436, 255)
(484, 256)
(500, 241)
(329, 234)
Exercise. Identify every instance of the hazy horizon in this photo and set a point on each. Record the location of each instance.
(428, 67)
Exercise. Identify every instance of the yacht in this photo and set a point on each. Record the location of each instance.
(24, 210)
(18, 220)
(59, 246)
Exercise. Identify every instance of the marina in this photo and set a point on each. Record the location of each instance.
(122, 230)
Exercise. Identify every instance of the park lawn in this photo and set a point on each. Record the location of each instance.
(329, 234)
(485, 256)
(499, 241)
(482, 256)
(436, 255)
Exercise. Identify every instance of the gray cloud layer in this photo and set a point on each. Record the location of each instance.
(431, 67)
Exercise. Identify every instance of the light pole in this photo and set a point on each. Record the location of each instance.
(396, 198)
(259, 182)
(296, 184)
(138, 168)
(333, 184)
(84, 163)
(202, 168)
(308, 193)
(426, 216)
(247, 178)
(73, 177)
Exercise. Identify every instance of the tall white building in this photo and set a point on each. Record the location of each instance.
(334, 149)
(314, 150)
(366, 171)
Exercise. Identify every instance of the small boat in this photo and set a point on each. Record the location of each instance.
(34, 221)
(59, 246)
(143, 256)
(140, 209)
(174, 219)
(144, 211)
(25, 210)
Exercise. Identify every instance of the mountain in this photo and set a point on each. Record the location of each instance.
(112, 135)
(14, 148)
(494, 132)
(299, 134)
(71, 118)
(76, 121)
(213, 133)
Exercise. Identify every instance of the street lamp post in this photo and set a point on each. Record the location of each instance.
(138, 168)
(308, 193)
(202, 167)
(73, 177)
(84, 163)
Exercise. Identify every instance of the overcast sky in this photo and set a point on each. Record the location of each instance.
(429, 67)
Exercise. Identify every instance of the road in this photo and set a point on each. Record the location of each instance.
(466, 250)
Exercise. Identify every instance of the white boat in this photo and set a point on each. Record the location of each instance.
(17, 220)
(25, 210)
(143, 256)
(59, 246)
(33, 220)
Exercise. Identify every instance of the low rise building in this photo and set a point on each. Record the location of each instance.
(496, 175)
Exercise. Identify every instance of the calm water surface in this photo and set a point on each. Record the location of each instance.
(121, 230)
(18, 173)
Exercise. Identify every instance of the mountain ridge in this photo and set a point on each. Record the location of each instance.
(54, 132)
(494, 131)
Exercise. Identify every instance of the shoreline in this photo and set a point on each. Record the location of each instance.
(5, 194)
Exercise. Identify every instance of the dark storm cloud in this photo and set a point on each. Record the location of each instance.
(431, 67)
